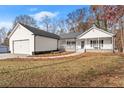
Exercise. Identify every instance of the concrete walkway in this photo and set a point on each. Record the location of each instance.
(8, 55)
(54, 57)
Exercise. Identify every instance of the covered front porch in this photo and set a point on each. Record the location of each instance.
(95, 44)
(103, 44)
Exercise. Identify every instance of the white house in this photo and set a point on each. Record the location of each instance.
(25, 39)
(92, 40)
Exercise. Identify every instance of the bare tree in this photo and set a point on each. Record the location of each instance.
(3, 34)
(25, 19)
(62, 27)
(54, 26)
(46, 22)
(76, 19)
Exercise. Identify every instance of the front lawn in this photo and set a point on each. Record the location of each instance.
(86, 70)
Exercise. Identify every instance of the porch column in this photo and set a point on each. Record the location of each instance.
(98, 44)
(75, 44)
(66, 44)
(85, 44)
(113, 44)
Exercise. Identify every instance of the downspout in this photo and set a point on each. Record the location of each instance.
(98, 44)
(75, 44)
(113, 42)
(57, 44)
(85, 45)
(33, 53)
(13, 47)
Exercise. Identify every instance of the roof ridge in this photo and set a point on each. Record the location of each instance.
(30, 26)
(40, 32)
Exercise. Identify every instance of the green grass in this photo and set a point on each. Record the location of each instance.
(86, 70)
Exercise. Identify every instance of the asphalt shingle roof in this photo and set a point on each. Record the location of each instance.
(70, 35)
(40, 32)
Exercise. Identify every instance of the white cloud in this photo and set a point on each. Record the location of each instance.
(41, 15)
(33, 9)
(6, 24)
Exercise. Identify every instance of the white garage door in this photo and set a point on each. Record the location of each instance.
(21, 47)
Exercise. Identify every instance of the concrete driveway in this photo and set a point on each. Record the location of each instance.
(8, 55)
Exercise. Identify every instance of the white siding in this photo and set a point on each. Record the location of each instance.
(107, 43)
(45, 44)
(63, 45)
(22, 33)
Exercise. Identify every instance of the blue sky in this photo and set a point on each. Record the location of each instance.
(8, 13)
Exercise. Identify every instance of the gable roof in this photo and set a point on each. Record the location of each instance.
(70, 35)
(35, 31)
(39, 32)
(94, 27)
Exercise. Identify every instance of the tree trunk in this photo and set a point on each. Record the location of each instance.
(97, 21)
(122, 36)
(105, 25)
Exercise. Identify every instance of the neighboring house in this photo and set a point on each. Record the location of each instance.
(4, 49)
(25, 39)
(92, 40)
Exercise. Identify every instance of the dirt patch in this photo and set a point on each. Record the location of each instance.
(58, 53)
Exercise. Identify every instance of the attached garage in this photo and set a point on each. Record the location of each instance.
(25, 39)
(19, 45)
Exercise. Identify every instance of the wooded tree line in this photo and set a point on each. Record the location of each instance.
(107, 17)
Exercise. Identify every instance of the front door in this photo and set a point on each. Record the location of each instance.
(82, 44)
(95, 44)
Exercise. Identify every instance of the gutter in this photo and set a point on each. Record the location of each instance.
(33, 53)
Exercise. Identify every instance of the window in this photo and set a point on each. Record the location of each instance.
(82, 44)
(71, 44)
(101, 43)
(91, 43)
(68, 43)
(95, 44)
